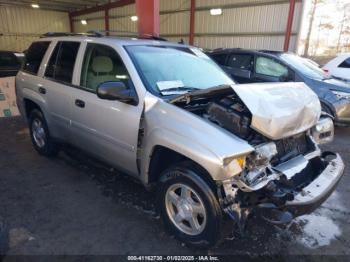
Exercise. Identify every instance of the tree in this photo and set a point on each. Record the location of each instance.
(322, 28)
(311, 24)
(344, 28)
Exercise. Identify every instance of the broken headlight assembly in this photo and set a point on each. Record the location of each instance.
(234, 165)
(323, 131)
(250, 172)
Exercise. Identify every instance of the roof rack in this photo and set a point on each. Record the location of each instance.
(61, 34)
(126, 34)
(102, 33)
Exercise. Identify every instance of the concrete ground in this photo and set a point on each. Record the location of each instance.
(70, 205)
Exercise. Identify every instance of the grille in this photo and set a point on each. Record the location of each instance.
(291, 147)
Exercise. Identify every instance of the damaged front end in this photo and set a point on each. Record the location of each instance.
(287, 174)
(284, 179)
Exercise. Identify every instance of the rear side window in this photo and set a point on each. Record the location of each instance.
(240, 61)
(34, 55)
(220, 59)
(345, 64)
(61, 63)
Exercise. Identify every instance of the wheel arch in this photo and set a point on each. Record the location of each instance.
(29, 106)
(327, 105)
(163, 158)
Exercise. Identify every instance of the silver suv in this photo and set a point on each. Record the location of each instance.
(166, 114)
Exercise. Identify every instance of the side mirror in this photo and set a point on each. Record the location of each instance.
(117, 91)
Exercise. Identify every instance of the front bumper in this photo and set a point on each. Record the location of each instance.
(313, 195)
(342, 111)
(290, 196)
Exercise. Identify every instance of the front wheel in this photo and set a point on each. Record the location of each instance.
(188, 207)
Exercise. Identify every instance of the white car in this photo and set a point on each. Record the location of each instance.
(339, 67)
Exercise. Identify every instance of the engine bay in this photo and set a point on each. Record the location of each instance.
(230, 113)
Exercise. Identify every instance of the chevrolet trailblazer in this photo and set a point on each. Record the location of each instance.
(166, 114)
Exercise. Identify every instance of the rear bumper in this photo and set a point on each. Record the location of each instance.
(313, 195)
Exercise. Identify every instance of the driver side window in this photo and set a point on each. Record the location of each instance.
(102, 64)
(269, 67)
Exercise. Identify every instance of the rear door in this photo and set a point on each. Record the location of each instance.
(28, 77)
(107, 129)
(240, 67)
(56, 84)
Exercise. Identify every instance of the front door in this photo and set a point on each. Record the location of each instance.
(268, 69)
(240, 66)
(107, 129)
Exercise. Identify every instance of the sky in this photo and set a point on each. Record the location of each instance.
(328, 13)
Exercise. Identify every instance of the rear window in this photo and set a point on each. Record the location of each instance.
(61, 64)
(220, 59)
(345, 64)
(240, 61)
(34, 55)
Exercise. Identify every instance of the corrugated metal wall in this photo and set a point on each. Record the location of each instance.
(255, 24)
(175, 19)
(20, 26)
(119, 20)
(95, 21)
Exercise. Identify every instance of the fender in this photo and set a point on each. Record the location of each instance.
(189, 135)
(30, 94)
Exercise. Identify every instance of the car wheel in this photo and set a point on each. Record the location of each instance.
(188, 207)
(326, 109)
(40, 135)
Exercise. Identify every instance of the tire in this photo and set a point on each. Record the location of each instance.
(326, 109)
(40, 136)
(205, 209)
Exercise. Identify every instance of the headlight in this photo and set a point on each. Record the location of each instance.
(323, 131)
(341, 95)
(234, 165)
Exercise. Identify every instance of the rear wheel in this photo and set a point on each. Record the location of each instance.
(188, 207)
(40, 135)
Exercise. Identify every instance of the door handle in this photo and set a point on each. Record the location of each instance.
(79, 103)
(42, 90)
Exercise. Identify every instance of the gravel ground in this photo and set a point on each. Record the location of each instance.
(70, 205)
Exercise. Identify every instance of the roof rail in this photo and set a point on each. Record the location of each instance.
(122, 33)
(126, 34)
(61, 34)
(102, 33)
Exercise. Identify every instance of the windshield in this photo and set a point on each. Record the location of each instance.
(304, 66)
(169, 70)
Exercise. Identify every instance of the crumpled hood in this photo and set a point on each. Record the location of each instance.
(280, 110)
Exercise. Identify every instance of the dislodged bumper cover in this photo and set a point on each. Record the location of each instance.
(318, 191)
(280, 110)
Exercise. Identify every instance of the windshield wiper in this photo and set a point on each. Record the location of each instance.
(168, 91)
(201, 93)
